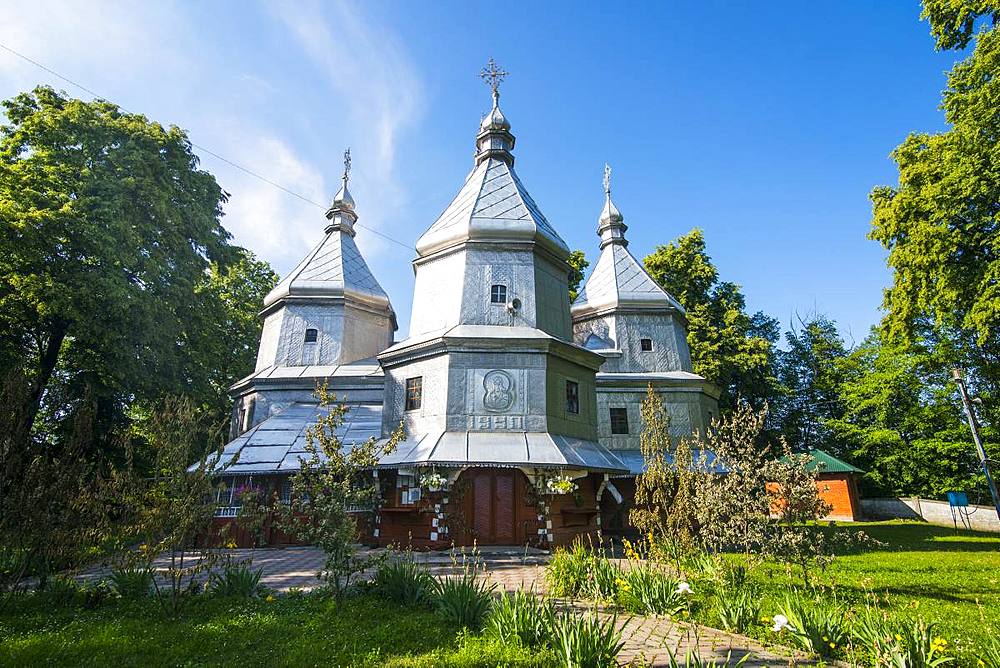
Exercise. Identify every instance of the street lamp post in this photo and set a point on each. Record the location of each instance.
(956, 374)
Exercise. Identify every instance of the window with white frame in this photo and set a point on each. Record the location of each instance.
(498, 293)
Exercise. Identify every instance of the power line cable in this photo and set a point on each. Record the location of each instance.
(203, 149)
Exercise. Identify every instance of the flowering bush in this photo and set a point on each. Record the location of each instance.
(813, 626)
(901, 643)
(433, 481)
(560, 485)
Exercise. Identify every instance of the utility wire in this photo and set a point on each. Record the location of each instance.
(203, 149)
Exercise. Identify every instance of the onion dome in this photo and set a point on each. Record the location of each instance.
(334, 269)
(618, 280)
(341, 213)
(610, 226)
(493, 205)
(495, 120)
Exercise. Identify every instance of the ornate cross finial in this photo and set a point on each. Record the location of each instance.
(347, 165)
(607, 179)
(493, 75)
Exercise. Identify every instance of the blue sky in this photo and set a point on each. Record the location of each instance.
(765, 124)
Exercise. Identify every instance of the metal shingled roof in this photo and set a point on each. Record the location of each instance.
(619, 280)
(278, 443)
(493, 204)
(827, 463)
(333, 268)
(636, 463)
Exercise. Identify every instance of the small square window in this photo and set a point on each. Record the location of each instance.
(414, 392)
(619, 421)
(646, 345)
(498, 294)
(311, 335)
(572, 397)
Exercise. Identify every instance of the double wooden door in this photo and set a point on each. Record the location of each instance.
(492, 508)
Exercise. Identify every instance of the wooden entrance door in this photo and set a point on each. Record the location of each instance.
(492, 506)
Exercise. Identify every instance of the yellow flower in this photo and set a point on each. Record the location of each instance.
(269, 599)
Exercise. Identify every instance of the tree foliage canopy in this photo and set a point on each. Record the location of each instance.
(577, 265)
(117, 279)
(729, 347)
(941, 223)
(810, 372)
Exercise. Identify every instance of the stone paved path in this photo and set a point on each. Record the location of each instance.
(649, 640)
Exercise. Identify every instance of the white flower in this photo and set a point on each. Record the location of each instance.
(683, 587)
(780, 624)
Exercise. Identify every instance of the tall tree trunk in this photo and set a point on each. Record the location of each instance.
(25, 419)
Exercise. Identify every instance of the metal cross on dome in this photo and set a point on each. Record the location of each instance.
(347, 164)
(607, 178)
(493, 75)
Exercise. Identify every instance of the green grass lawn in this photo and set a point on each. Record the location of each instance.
(286, 631)
(947, 577)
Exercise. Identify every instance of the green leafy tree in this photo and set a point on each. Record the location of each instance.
(330, 491)
(59, 507)
(729, 347)
(664, 503)
(953, 21)
(117, 281)
(577, 265)
(171, 511)
(108, 226)
(810, 372)
(227, 337)
(941, 222)
(901, 422)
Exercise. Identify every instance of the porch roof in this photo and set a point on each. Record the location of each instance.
(636, 463)
(277, 445)
(508, 448)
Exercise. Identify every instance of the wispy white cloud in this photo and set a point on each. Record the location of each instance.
(368, 70)
(101, 40)
(272, 223)
(153, 58)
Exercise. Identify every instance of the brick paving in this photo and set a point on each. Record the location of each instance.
(649, 640)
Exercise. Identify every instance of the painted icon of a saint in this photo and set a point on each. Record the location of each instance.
(499, 388)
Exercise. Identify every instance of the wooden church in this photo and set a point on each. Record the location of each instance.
(521, 410)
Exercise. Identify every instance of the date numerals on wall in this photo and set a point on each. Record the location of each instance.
(496, 423)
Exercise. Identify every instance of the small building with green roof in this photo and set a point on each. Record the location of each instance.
(837, 484)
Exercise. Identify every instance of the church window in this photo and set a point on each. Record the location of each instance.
(646, 345)
(414, 392)
(572, 397)
(311, 335)
(619, 421)
(498, 294)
